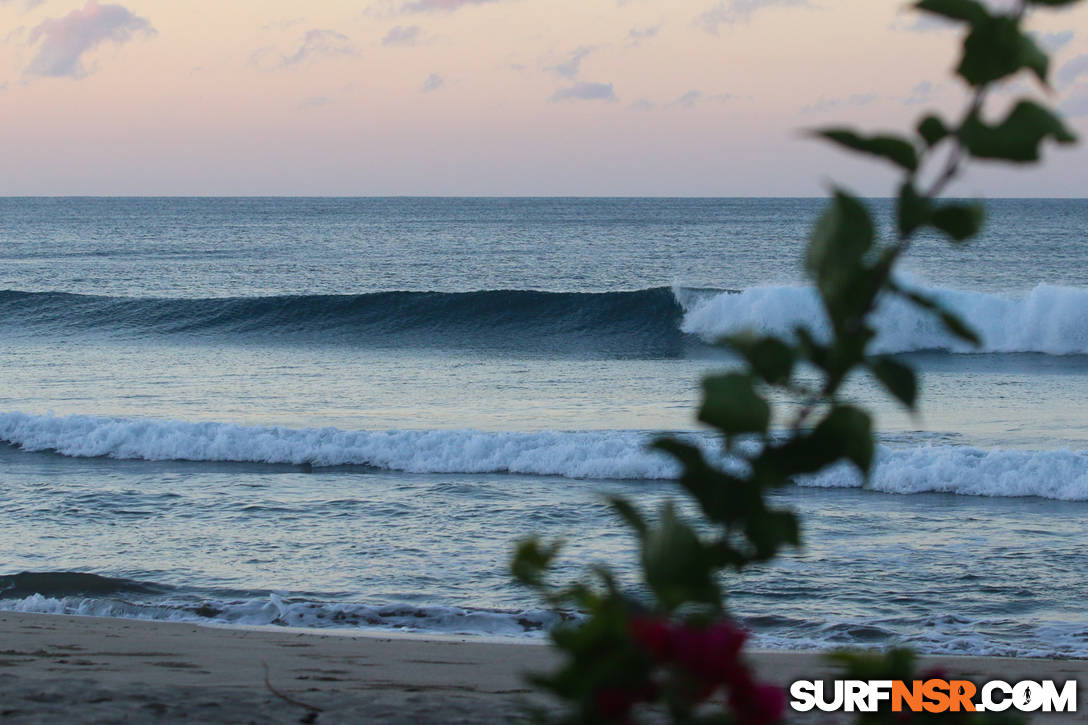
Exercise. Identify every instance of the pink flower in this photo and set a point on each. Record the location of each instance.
(711, 654)
(757, 704)
(654, 634)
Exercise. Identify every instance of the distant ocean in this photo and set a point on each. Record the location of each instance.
(343, 412)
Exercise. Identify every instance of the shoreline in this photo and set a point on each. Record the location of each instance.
(64, 668)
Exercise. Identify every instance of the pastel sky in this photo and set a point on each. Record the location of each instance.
(486, 97)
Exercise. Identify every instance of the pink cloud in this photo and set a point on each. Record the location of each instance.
(423, 6)
(65, 40)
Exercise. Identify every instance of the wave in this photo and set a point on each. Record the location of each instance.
(271, 609)
(658, 322)
(622, 455)
(643, 323)
(931, 634)
(1049, 319)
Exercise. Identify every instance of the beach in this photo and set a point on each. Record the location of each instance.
(56, 668)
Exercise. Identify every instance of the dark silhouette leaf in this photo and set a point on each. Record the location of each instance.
(959, 221)
(732, 405)
(1017, 137)
(893, 148)
(898, 378)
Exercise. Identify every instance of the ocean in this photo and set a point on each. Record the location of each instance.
(344, 412)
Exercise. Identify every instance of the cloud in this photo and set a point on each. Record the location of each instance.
(730, 12)
(1076, 104)
(315, 43)
(430, 6)
(921, 93)
(432, 83)
(694, 97)
(1054, 42)
(586, 92)
(1072, 70)
(826, 104)
(401, 35)
(689, 99)
(570, 67)
(913, 21)
(27, 4)
(315, 102)
(637, 35)
(642, 104)
(65, 40)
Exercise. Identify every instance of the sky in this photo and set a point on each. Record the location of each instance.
(491, 97)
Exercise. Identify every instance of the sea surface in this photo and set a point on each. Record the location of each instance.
(344, 412)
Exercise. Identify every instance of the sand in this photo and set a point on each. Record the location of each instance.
(63, 669)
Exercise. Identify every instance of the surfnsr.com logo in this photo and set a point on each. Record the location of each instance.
(933, 695)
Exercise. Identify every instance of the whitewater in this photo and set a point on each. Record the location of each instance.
(623, 455)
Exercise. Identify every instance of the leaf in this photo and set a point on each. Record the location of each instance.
(676, 563)
(630, 514)
(770, 358)
(849, 432)
(912, 210)
(932, 130)
(959, 328)
(844, 234)
(893, 148)
(531, 560)
(967, 10)
(951, 321)
(898, 378)
(996, 48)
(723, 498)
(770, 531)
(1017, 137)
(959, 221)
(732, 405)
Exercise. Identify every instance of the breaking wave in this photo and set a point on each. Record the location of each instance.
(962, 470)
(659, 322)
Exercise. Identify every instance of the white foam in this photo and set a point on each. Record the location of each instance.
(1049, 319)
(1061, 475)
(596, 454)
(277, 610)
(586, 454)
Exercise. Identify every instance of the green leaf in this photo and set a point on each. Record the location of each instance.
(996, 48)
(532, 560)
(723, 498)
(676, 563)
(893, 148)
(770, 531)
(844, 234)
(898, 378)
(770, 358)
(932, 130)
(959, 221)
(1017, 137)
(949, 319)
(912, 210)
(630, 514)
(959, 328)
(848, 431)
(732, 405)
(970, 11)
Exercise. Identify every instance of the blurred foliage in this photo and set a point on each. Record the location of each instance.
(672, 649)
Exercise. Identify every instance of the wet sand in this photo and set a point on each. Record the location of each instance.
(63, 669)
